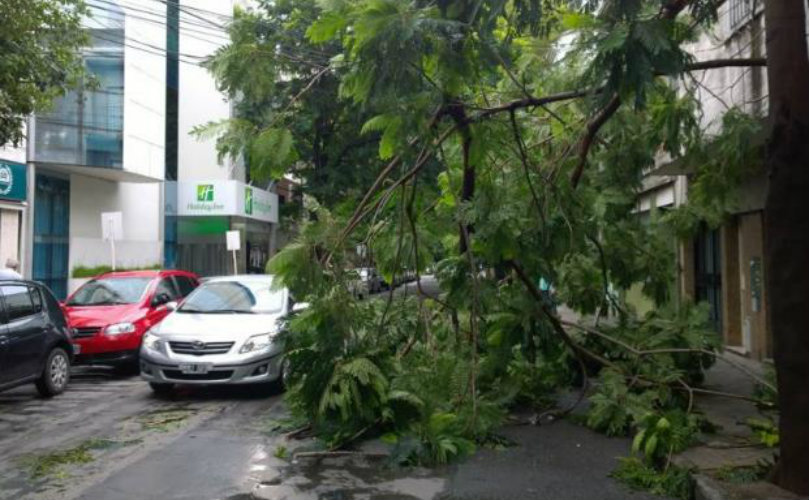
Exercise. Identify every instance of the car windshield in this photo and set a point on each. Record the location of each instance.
(110, 291)
(221, 297)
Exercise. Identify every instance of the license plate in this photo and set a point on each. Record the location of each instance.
(194, 368)
(76, 349)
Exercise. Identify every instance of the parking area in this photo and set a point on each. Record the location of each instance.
(110, 437)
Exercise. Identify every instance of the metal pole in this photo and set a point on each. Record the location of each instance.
(112, 241)
(27, 236)
(235, 270)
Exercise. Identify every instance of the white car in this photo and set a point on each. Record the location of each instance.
(225, 332)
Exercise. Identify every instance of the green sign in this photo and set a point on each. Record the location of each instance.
(248, 200)
(13, 181)
(205, 192)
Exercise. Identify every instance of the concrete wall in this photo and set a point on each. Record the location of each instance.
(142, 244)
(200, 101)
(144, 92)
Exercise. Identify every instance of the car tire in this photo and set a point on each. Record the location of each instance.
(280, 384)
(55, 375)
(161, 389)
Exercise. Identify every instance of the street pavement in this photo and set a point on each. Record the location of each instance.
(109, 438)
(118, 441)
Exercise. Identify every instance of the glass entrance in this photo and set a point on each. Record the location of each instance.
(51, 233)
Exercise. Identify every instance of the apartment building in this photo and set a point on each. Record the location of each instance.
(724, 266)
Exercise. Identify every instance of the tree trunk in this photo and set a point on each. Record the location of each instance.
(786, 245)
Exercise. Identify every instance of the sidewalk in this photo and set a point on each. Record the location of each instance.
(722, 457)
(560, 460)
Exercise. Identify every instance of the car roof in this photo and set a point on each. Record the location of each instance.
(255, 278)
(145, 273)
(15, 281)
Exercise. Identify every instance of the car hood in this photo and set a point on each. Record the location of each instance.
(79, 316)
(216, 327)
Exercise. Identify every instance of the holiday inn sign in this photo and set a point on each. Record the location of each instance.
(227, 198)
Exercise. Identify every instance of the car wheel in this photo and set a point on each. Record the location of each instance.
(161, 389)
(280, 384)
(55, 375)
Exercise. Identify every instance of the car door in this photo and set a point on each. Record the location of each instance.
(25, 330)
(4, 375)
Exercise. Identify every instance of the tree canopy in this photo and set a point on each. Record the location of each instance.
(41, 58)
(511, 141)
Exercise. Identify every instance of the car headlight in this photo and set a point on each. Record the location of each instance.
(256, 343)
(153, 343)
(120, 328)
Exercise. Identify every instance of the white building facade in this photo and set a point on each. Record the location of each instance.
(123, 145)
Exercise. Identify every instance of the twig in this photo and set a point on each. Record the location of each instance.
(298, 432)
(339, 453)
(673, 350)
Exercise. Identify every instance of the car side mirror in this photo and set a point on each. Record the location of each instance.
(172, 305)
(160, 299)
(299, 306)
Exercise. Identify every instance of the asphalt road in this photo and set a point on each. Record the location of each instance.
(109, 438)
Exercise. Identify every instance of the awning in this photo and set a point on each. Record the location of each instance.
(103, 173)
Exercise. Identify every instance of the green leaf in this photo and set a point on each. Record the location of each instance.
(390, 138)
(326, 27)
(651, 446)
(636, 443)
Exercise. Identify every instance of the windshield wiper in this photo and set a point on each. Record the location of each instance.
(231, 311)
(191, 310)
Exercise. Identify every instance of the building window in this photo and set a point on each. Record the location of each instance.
(740, 12)
(85, 126)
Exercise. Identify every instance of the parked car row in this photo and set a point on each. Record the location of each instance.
(164, 324)
(369, 281)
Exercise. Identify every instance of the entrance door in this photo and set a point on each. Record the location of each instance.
(708, 272)
(51, 232)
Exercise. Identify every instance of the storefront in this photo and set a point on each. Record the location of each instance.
(13, 206)
(205, 210)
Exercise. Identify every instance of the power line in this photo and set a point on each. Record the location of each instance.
(201, 10)
(185, 31)
(113, 7)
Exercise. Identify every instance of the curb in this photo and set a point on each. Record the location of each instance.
(706, 489)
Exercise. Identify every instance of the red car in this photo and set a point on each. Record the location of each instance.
(110, 313)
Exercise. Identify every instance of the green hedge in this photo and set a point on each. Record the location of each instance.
(91, 272)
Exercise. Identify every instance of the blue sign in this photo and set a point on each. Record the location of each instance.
(13, 181)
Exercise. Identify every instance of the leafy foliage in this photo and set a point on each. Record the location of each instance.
(673, 482)
(41, 59)
(766, 430)
(475, 185)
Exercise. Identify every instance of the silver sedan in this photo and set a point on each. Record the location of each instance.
(225, 332)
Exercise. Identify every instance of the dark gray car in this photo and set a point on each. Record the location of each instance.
(34, 338)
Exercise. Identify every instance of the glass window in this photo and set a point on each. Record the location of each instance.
(110, 291)
(18, 302)
(166, 286)
(85, 126)
(234, 297)
(185, 284)
(36, 299)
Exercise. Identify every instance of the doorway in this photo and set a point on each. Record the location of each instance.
(51, 233)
